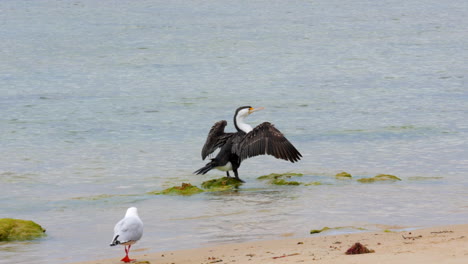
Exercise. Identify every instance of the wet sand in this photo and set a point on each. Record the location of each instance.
(444, 244)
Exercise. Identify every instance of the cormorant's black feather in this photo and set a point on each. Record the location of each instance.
(264, 139)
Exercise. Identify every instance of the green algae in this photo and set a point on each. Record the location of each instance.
(326, 228)
(184, 189)
(316, 231)
(100, 197)
(343, 175)
(221, 184)
(380, 177)
(19, 230)
(281, 179)
(93, 198)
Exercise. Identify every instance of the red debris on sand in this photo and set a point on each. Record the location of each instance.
(358, 248)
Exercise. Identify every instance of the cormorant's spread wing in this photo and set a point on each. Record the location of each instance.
(266, 139)
(216, 138)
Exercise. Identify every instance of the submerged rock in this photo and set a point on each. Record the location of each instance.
(184, 189)
(279, 175)
(343, 175)
(380, 177)
(315, 183)
(19, 230)
(221, 184)
(280, 179)
(424, 178)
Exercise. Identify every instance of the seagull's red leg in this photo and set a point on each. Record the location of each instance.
(126, 259)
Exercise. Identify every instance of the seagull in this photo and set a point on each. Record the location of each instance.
(128, 231)
(247, 142)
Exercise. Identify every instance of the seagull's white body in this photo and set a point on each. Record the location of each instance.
(128, 231)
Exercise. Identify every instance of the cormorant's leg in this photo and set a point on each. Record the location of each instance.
(227, 174)
(237, 175)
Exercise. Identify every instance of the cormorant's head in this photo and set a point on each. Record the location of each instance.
(245, 111)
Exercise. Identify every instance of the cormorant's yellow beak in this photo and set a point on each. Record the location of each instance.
(251, 109)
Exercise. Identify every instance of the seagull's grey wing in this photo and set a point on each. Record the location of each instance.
(216, 138)
(128, 229)
(266, 139)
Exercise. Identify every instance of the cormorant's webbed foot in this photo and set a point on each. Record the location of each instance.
(237, 178)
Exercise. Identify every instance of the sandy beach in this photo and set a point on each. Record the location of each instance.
(444, 244)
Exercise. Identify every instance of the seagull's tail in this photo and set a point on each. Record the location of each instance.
(210, 165)
(115, 242)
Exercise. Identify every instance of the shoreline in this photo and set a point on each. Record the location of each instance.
(440, 244)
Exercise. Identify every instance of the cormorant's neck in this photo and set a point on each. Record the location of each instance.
(241, 125)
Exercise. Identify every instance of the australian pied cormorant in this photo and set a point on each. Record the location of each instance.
(245, 143)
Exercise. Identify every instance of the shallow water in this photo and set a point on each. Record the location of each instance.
(103, 102)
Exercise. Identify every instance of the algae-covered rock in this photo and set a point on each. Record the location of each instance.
(280, 179)
(221, 184)
(380, 177)
(19, 230)
(284, 182)
(279, 175)
(184, 189)
(343, 175)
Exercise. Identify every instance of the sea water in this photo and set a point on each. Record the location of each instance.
(102, 102)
